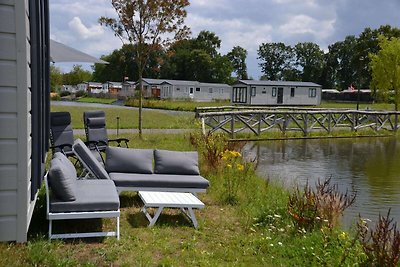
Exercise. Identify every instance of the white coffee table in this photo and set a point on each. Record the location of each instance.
(160, 200)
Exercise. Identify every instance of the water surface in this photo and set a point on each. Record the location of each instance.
(368, 166)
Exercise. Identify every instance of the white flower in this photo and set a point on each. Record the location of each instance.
(277, 216)
(280, 243)
(271, 245)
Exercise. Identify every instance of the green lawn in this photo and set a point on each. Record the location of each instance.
(176, 105)
(257, 231)
(129, 118)
(375, 106)
(97, 100)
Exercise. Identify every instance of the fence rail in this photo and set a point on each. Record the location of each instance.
(234, 120)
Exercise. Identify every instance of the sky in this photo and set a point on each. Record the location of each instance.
(245, 23)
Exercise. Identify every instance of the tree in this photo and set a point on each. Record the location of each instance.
(237, 56)
(311, 60)
(122, 64)
(197, 59)
(148, 24)
(385, 66)
(56, 78)
(277, 58)
(77, 75)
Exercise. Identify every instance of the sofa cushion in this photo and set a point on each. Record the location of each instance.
(68, 164)
(159, 180)
(176, 162)
(89, 160)
(91, 195)
(119, 159)
(61, 181)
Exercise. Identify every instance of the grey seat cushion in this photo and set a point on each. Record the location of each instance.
(91, 195)
(159, 180)
(89, 160)
(176, 162)
(62, 180)
(64, 160)
(119, 159)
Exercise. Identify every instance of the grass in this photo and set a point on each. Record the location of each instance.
(184, 105)
(129, 118)
(374, 106)
(97, 100)
(255, 232)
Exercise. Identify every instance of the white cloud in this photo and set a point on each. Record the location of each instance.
(94, 31)
(302, 24)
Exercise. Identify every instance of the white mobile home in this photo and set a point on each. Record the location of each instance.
(212, 91)
(250, 92)
(177, 89)
(127, 89)
(151, 87)
(24, 111)
(113, 88)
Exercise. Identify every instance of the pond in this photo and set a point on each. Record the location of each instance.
(368, 166)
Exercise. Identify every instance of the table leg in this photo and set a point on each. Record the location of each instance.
(153, 219)
(190, 214)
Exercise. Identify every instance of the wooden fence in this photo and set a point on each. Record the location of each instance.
(234, 120)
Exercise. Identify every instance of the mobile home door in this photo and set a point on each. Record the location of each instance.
(279, 99)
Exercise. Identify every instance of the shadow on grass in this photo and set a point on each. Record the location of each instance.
(168, 218)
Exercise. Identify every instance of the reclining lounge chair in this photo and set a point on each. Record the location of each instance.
(69, 198)
(61, 134)
(96, 131)
(132, 169)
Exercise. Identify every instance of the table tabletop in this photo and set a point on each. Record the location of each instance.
(170, 199)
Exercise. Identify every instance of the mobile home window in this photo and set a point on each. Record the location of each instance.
(273, 91)
(253, 91)
(197, 89)
(312, 92)
(292, 92)
(210, 90)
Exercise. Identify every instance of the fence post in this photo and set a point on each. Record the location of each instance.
(233, 126)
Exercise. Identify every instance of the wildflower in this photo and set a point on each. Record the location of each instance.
(277, 216)
(239, 167)
(229, 165)
(342, 235)
(271, 245)
(280, 243)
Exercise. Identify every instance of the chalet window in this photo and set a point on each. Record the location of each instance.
(197, 89)
(292, 92)
(253, 91)
(239, 95)
(273, 91)
(312, 92)
(210, 90)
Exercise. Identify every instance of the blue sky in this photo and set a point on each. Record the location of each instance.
(246, 23)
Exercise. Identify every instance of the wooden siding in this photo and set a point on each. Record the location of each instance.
(15, 125)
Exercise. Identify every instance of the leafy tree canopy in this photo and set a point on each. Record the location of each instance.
(385, 66)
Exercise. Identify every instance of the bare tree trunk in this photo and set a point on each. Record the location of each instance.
(140, 104)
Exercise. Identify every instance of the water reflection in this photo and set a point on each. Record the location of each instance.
(368, 166)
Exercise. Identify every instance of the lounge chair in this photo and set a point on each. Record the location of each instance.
(69, 198)
(61, 134)
(96, 131)
(132, 169)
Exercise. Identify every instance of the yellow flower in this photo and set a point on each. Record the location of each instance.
(239, 167)
(224, 158)
(229, 165)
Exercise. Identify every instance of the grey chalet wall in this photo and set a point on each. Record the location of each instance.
(20, 103)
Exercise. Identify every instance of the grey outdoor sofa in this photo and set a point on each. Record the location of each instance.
(132, 169)
(70, 198)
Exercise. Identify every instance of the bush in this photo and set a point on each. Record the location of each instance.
(381, 244)
(324, 205)
(64, 93)
(81, 93)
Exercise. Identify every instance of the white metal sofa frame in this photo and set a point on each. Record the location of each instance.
(52, 216)
(120, 189)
